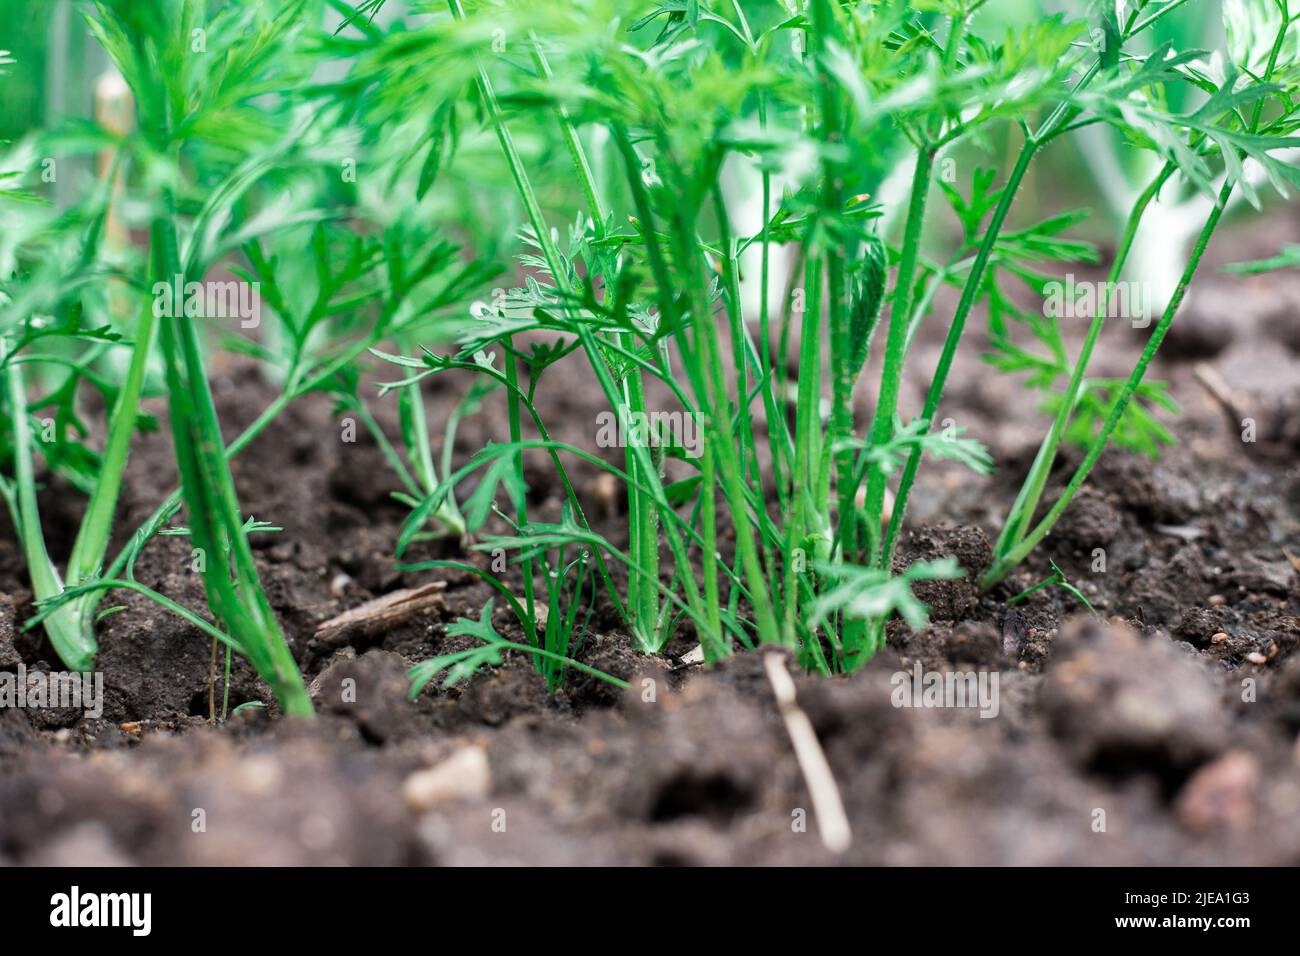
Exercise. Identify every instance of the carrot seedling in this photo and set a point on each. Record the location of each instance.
(1056, 578)
(47, 307)
(653, 168)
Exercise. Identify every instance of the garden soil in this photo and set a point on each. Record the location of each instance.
(1161, 730)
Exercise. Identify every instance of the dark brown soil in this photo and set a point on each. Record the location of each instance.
(1172, 716)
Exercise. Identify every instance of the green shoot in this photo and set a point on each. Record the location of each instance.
(680, 100)
(1058, 579)
(693, 206)
(460, 666)
(143, 43)
(1288, 258)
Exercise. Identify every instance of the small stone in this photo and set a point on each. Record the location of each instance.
(605, 489)
(259, 776)
(86, 844)
(464, 775)
(1217, 600)
(1221, 793)
(1218, 638)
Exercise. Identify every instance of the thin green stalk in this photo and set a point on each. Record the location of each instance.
(642, 523)
(453, 479)
(703, 363)
(100, 585)
(91, 544)
(891, 375)
(216, 526)
(1026, 503)
(597, 543)
(1051, 128)
(1002, 566)
(922, 307)
(62, 625)
(732, 486)
(669, 313)
(843, 372)
(717, 428)
(422, 453)
(225, 695)
(801, 513)
(781, 370)
(1013, 537)
(388, 451)
(1003, 563)
(554, 261)
(713, 650)
(970, 293)
(521, 504)
(298, 383)
(956, 32)
(772, 411)
(1155, 17)
(566, 662)
(744, 425)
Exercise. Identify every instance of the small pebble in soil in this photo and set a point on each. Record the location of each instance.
(605, 490)
(464, 775)
(1221, 793)
(259, 776)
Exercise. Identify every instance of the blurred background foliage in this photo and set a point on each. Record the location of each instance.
(56, 64)
(56, 61)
